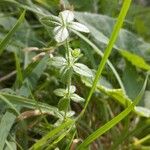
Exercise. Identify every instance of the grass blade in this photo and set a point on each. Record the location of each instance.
(44, 139)
(114, 121)
(106, 127)
(8, 118)
(108, 50)
(19, 78)
(5, 41)
(9, 104)
(99, 52)
(31, 104)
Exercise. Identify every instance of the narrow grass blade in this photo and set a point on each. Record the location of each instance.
(5, 41)
(19, 78)
(23, 6)
(106, 127)
(42, 141)
(9, 104)
(29, 103)
(8, 118)
(5, 126)
(108, 50)
(114, 121)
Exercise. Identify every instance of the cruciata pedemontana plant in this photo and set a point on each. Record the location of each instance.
(68, 65)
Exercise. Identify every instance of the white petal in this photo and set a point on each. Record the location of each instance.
(61, 34)
(79, 27)
(67, 16)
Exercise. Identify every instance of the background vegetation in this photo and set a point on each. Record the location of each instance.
(30, 117)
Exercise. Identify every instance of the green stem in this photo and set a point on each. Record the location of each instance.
(69, 78)
(139, 142)
(108, 50)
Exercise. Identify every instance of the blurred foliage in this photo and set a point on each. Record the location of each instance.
(28, 85)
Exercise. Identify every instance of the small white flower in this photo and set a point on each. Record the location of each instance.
(61, 31)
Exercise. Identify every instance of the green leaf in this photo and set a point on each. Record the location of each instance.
(19, 78)
(5, 41)
(60, 92)
(50, 21)
(135, 60)
(6, 124)
(63, 104)
(63, 92)
(82, 69)
(79, 27)
(147, 99)
(61, 33)
(142, 111)
(72, 89)
(66, 16)
(58, 62)
(76, 98)
(104, 87)
(131, 80)
(102, 81)
(100, 27)
(9, 104)
(30, 104)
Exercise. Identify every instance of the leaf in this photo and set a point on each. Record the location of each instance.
(102, 81)
(82, 69)
(5, 41)
(6, 124)
(116, 94)
(52, 133)
(135, 60)
(60, 33)
(147, 99)
(66, 16)
(9, 104)
(79, 27)
(50, 21)
(58, 62)
(19, 78)
(65, 73)
(30, 104)
(11, 145)
(60, 92)
(100, 27)
(72, 89)
(76, 98)
(142, 111)
(63, 104)
(33, 9)
(131, 80)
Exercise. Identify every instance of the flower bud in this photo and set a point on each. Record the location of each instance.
(76, 52)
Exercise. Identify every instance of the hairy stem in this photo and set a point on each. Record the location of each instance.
(68, 53)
